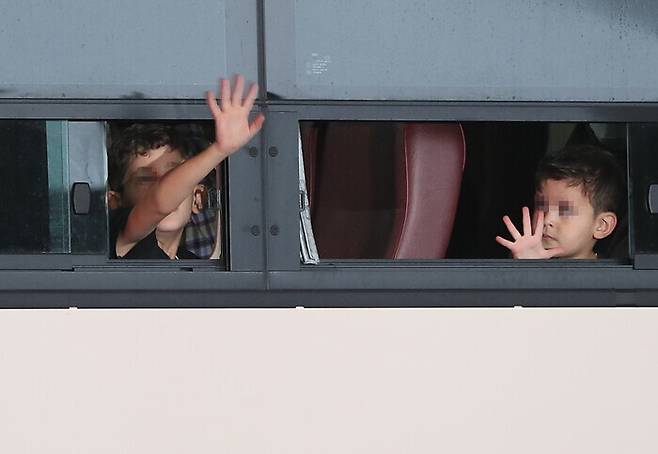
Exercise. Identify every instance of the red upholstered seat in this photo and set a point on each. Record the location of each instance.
(427, 184)
(383, 190)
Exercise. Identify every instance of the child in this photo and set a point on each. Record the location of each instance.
(155, 185)
(579, 193)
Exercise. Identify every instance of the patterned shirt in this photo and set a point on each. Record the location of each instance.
(200, 233)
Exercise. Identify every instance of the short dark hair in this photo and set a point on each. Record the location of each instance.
(139, 138)
(589, 166)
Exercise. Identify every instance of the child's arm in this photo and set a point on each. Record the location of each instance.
(528, 245)
(232, 130)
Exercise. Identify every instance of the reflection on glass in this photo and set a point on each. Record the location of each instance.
(58, 198)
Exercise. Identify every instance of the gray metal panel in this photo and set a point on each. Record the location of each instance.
(339, 110)
(124, 49)
(103, 109)
(588, 50)
(245, 208)
(113, 279)
(223, 298)
(469, 111)
(468, 277)
(282, 191)
(576, 287)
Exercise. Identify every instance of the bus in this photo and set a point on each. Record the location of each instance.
(357, 300)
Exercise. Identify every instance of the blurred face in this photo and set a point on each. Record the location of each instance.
(143, 171)
(569, 219)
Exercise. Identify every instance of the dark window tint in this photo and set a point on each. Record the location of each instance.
(643, 143)
(25, 207)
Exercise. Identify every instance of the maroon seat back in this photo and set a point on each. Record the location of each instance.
(383, 190)
(428, 178)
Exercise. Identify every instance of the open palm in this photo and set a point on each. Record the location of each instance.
(529, 245)
(231, 116)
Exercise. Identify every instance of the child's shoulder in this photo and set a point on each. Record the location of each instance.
(146, 248)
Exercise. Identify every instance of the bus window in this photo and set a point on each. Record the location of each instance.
(402, 190)
(202, 226)
(52, 176)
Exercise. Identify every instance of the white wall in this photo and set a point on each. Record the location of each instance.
(329, 381)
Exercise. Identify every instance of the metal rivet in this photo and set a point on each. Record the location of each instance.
(274, 230)
(253, 152)
(274, 151)
(255, 230)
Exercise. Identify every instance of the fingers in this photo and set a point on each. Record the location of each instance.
(539, 223)
(527, 227)
(256, 124)
(211, 101)
(236, 97)
(225, 94)
(229, 98)
(512, 229)
(503, 242)
(251, 96)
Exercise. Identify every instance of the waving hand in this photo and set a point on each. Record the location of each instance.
(529, 245)
(231, 116)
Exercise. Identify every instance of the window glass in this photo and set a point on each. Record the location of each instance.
(580, 50)
(58, 178)
(27, 226)
(404, 190)
(643, 140)
(121, 49)
(40, 164)
(86, 153)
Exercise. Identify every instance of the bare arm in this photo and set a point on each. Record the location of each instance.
(232, 130)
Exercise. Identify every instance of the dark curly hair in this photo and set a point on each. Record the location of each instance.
(589, 166)
(139, 138)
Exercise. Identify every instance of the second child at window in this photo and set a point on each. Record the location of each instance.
(579, 196)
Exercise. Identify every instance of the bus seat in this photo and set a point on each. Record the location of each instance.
(428, 181)
(352, 206)
(383, 190)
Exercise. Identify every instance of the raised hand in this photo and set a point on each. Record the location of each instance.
(232, 126)
(529, 245)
